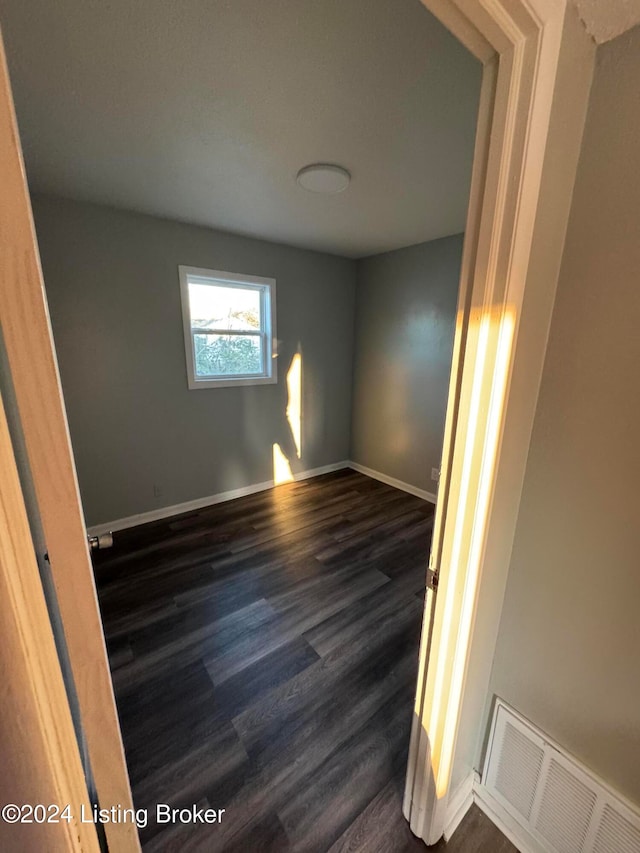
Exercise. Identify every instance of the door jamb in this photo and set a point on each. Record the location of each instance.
(41, 759)
(34, 369)
(533, 53)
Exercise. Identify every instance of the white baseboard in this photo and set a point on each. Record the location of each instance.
(459, 804)
(391, 481)
(472, 791)
(509, 827)
(221, 497)
(199, 503)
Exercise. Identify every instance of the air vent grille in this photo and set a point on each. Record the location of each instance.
(518, 769)
(616, 834)
(560, 805)
(565, 811)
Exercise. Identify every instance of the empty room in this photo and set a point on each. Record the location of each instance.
(302, 547)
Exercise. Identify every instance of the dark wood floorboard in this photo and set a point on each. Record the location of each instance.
(264, 658)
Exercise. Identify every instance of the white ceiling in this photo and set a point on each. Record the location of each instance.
(204, 110)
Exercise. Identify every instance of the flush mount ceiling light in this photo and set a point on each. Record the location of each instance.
(323, 178)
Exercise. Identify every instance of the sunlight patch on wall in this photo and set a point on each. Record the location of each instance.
(281, 468)
(294, 401)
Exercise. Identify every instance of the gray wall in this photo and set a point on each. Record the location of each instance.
(568, 652)
(405, 321)
(112, 284)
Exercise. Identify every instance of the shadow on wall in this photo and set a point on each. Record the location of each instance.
(288, 452)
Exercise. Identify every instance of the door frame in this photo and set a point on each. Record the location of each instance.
(537, 67)
(30, 350)
(40, 756)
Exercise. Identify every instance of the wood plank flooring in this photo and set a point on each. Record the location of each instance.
(264, 656)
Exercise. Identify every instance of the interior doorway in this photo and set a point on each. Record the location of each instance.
(47, 368)
(154, 449)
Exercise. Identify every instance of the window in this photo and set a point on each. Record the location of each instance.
(229, 328)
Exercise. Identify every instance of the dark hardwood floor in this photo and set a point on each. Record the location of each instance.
(264, 656)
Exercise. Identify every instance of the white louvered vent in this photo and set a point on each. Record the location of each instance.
(566, 809)
(616, 834)
(518, 768)
(562, 806)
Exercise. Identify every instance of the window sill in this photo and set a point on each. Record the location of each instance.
(200, 384)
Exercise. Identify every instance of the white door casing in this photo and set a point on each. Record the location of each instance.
(538, 64)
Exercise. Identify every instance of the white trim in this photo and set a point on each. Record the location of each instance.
(210, 500)
(392, 481)
(458, 805)
(232, 494)
(525, 827)
(501, 818)
(533, 106)
(471, 791)
(513, 829)
(267, 289)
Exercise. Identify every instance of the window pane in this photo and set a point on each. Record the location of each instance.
(219, 307)
(227, 355)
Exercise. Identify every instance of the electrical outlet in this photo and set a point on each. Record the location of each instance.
(435, 474)
(157, 491)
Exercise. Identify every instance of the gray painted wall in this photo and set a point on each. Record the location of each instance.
(112, 284)
(405, 321)
(568, 651)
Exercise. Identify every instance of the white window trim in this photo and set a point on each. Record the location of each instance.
(267, 286)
